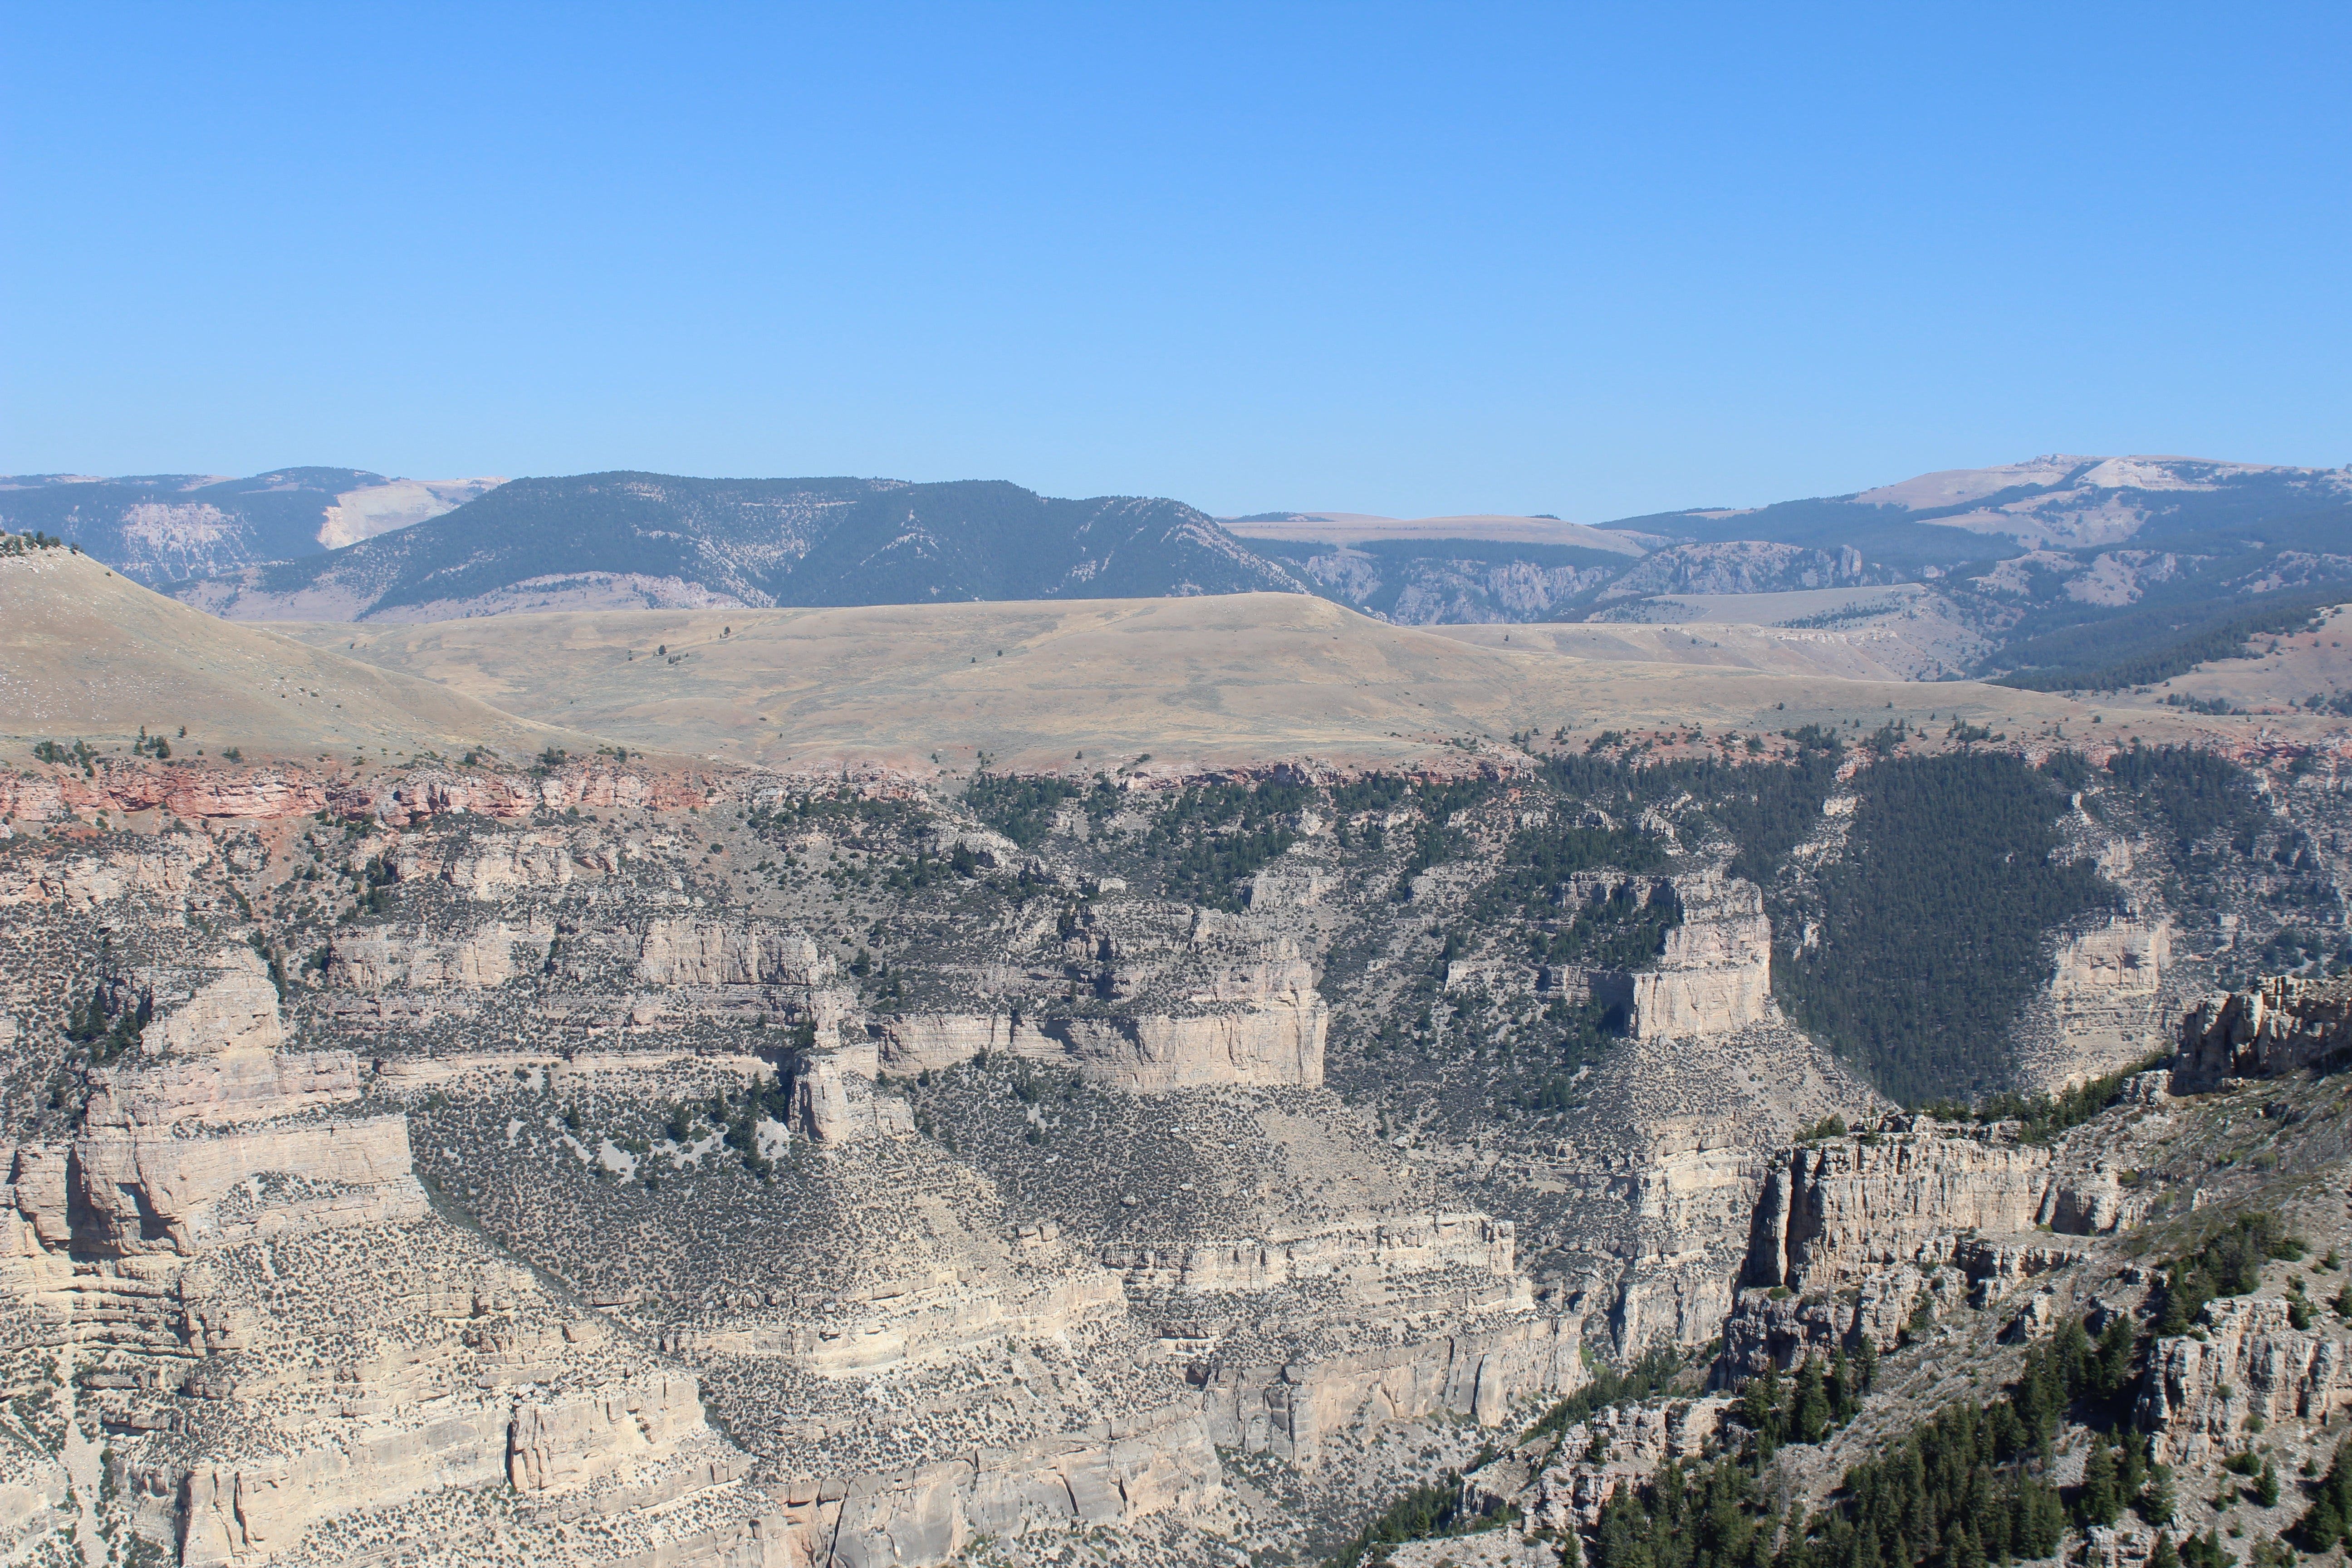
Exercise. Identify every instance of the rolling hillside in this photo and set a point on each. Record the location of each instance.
(2062, 573)
(89, 655)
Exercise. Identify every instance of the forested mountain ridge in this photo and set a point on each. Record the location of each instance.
(161, 528)
(637, 538)
(2066, 572)
(2062, 573)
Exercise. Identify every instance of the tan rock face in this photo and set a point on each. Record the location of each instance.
(236, 1011)
(374, 961)
(1715, 974)
(2106, 1005)
(1113, 1473)
(929, 1042)
(1248, 1016)
(1864, 1228)
(398, 796)
(2282, 1025)
(2195, 1397)
(161, 867)
(1356, 1255)
(148, 1190)
(1834, 1212)
(564, 1444)
(1290, 1410)
(211, 1237)
(834, 1101)
(709, 953)
(1278, 1044)
(234, 1086)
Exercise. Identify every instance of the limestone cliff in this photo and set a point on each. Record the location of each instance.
(1715, 976)
(2280, 1026)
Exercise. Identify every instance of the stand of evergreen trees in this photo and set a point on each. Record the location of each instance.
(2228, 1263)
(1970, 1486)
(1930, 925)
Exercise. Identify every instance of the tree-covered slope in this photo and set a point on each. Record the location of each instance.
(159, 527)
(757, 542)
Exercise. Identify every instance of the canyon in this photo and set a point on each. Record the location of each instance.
(496, 1142)
(639, 1164)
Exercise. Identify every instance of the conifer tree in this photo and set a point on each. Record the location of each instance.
(2266, 1486)
(2158, 1503)
(1843, 1401)
(2163, 1555)
(1761, 1409)
(1791, 1554)
(2098, 1504)
(1809, 1405)
(2323, 1526)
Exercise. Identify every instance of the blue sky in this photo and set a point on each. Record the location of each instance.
(1588, 261)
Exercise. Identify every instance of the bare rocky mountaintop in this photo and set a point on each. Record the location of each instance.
(161, 528)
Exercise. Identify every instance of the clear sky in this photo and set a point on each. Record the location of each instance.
(1584, 260)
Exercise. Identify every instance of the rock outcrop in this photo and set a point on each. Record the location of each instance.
(2280, 1026)
(2198, 1394)
(2105, 1006)
(1715, 976)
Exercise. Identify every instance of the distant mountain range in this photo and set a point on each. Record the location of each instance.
(2062, 569)
(161, 528)
(629, 540)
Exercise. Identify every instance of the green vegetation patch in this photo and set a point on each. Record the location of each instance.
(1020, 808)
(2154, 643)
(1930, 925)
(2228, 1263)
(2043, 1116)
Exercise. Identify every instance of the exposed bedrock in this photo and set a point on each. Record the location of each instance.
(198, 792)
(1850, 1235)
(378, 960)
(2197, 1394)
(1114, 1472)
(1833, 1211)
(2280, 1026)
(1714, 975)
(1349, 1253)
(2107, 1004)
(234, 1085)
(1257, 1023)
(1479, 1373)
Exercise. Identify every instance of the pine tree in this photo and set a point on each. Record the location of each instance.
(1761, 1409)
(1809, 1405)
(2163, 1555)
(1841, 1391)
(2132, 1465)
(1791, 1554)
(2158, 1503)
(2323, 1527)
(2266, 1486)
(2098, 1504)
(1867, 1356)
